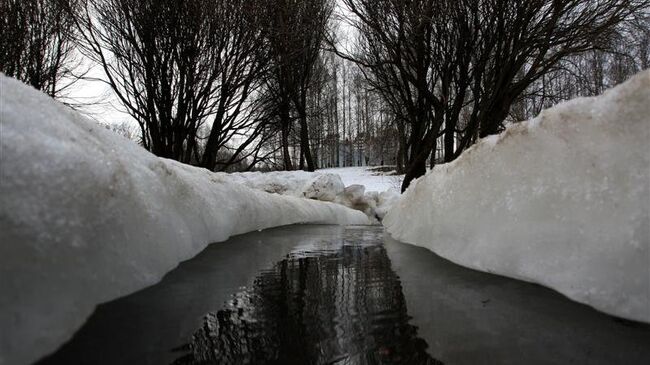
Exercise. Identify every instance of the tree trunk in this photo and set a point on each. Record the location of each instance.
(288, 166)
(449, 144)
(304, 141)
(400, 158)
(492, 121)
(416, 168)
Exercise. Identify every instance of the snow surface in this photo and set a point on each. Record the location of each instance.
(87, 216)
(370, 192)
(292, 183)
(373, 181)
(561, 200)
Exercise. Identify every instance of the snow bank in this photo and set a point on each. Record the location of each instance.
(87, 216)
(310, 185)
(292, 183)
(561, 200)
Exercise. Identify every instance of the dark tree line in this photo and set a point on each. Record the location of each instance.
(231, 84)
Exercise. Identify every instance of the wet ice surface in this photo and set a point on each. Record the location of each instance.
(327, 294)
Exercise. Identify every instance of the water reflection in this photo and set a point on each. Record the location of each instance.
(324, 305)
(341, 297)
(469, 317)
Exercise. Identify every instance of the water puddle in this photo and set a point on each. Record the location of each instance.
(336, 302)
(333, 295)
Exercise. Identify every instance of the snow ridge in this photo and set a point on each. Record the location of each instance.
(561, 200)
(87, 216)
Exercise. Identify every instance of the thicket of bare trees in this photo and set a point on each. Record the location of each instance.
(617, 57)
(184, 70)
(207, 81)
(455, 68)
(294, 31)
(240, 84)
(37, 43)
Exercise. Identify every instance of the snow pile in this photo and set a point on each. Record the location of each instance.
(87, 216)
(372, 203)
(324, 185)
(385, 201)
(561, 200)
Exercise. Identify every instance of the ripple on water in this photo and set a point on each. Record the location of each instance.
(330, 304)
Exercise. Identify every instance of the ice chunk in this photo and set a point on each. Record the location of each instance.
(385, 201)
(354, 194)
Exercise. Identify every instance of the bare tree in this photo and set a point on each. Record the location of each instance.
(294, 31)
(453, 69)
(528, 40)
(177, 66)
(617, 57)
(396, 49)
(37, 43)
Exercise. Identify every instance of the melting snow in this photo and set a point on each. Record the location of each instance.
(87, 216)
(561, 200)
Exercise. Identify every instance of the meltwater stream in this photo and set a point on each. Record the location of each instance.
(334, 295)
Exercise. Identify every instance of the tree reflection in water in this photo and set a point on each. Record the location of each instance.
(342, 306)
